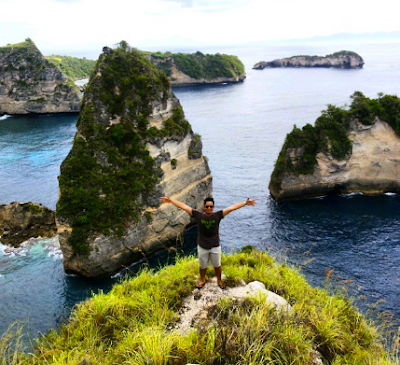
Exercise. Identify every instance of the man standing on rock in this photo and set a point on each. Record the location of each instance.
(208, 242)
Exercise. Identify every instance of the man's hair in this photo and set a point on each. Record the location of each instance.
(209, 199)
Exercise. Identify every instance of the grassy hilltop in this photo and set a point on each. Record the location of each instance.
(134, 323)
(73, 67)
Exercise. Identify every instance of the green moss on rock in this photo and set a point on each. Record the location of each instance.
(108, 175)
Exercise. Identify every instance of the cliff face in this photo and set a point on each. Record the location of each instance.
(343, 59)
(199, 69)
(133, 145)
(372, 168)
(31, 84)
(21, 221)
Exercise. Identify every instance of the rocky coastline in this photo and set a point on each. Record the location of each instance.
(342, 59)
(30, 84)
(21, 221)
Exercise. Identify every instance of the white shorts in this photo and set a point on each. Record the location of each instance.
(213, 255)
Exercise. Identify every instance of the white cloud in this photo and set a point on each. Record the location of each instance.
(57, 25)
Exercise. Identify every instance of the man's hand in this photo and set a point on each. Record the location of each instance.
(165, 199)
(251, 202)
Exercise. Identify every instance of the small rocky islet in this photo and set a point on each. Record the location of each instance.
(348, 150)
(342, 59)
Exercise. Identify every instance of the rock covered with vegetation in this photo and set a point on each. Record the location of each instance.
(21, 221)
(342, 59)
(132, 146)
(348, 150)
(185, 69)
(73, 67)
(31, 84)
(140, 322)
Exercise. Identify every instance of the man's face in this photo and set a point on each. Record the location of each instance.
(208, 208)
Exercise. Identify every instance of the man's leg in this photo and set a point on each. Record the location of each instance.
(215, 257)
(218, 274)
(202, 276)
(203, 263)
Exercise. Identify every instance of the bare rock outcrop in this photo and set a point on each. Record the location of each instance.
(133, 145)
(21, 221)
(342, 59)
(30, 84)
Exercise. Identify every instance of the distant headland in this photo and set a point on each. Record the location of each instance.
(188, 69)
(342, 59)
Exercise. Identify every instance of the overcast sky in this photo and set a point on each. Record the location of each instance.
(88, 25)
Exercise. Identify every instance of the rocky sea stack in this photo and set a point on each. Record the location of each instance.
(186, 69)
(133, 145)
(347, 151)
(30, 84)
(342, 59)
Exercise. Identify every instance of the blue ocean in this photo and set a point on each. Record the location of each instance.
(354, 238)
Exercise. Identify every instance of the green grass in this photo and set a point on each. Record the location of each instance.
(74, 68)
(133, 324)
(28, 44)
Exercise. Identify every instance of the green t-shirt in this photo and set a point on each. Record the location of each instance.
(208, 228)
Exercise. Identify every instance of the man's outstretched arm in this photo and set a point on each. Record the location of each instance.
(167, 199)
(233, 207)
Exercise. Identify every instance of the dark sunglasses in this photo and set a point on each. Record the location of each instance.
(209, 206)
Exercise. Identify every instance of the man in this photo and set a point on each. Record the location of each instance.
(208, 243)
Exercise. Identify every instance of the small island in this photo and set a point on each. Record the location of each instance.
(188, 69)
(353, 150)
(342, 59)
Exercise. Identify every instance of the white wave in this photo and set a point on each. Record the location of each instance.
(391, 194)
(352, 194)
(4, 117)
(51, 245)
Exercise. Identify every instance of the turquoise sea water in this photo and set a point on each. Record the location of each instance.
(243, 127)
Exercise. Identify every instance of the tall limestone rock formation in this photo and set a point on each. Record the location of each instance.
(347, 151)
(31, 84)
(132, 146)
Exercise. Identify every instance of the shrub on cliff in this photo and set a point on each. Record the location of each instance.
(134, 323)
(330, 134)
